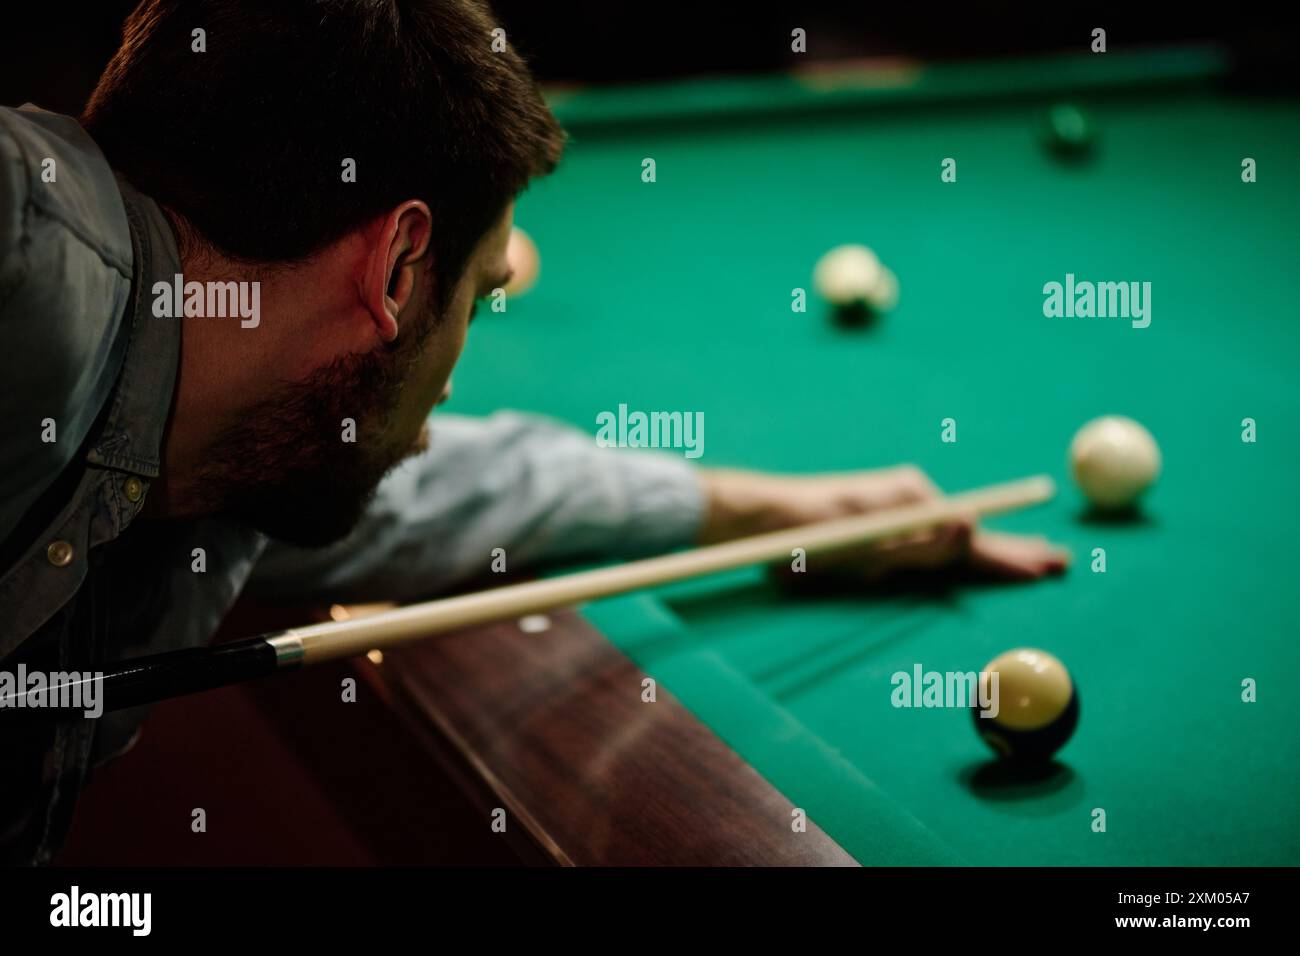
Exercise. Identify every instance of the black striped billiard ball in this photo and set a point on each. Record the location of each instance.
(1037, 706)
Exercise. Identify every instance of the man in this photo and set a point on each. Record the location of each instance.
(336, 181)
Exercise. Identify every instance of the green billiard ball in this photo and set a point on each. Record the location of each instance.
(1070, 131)
(1035, 708)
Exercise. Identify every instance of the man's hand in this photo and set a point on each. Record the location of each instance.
(742, 503)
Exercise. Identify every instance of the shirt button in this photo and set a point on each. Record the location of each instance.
(59, 553)
(133, 489)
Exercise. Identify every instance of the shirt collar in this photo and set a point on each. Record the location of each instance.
(131, 438)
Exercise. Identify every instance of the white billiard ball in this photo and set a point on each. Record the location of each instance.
(1114, 459)
(525, 262)
(1033, 705)
(884, 297)
(848, 276)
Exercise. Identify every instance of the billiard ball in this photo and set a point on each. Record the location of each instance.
(884, 297)
(1114, 459)
(847, 275)
(525, 263)
(1070, 132)
(1034, 706)
(853, 280)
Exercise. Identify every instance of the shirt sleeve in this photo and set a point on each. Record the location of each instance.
(542, 491)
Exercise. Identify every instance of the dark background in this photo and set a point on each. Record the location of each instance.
(51, 53)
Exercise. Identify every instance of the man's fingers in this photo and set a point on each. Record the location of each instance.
(991, 554)
(935, 548)
(1017, 556)
(872, 491)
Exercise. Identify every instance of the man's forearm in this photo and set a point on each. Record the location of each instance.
(540, 491)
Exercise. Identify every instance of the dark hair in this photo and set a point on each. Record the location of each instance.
(246, 140)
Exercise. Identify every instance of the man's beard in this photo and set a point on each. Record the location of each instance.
(285, 468)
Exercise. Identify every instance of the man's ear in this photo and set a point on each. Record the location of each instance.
(396, 251)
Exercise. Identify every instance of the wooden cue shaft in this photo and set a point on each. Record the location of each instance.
(338, 639)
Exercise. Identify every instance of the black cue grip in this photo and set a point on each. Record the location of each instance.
(146, 680)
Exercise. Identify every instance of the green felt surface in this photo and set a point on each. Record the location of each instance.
(676, 296)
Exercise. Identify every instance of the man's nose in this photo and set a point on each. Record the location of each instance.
(446, 393)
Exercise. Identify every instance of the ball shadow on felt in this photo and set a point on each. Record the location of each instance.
(1128, 516)
(858, 315)
(1023, 788)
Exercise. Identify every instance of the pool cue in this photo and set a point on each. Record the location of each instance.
(158, 676)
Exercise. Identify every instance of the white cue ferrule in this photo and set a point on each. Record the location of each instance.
(288, 649)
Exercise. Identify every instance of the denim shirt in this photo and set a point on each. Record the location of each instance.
(83, 583)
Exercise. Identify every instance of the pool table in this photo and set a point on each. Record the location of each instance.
(676, 295)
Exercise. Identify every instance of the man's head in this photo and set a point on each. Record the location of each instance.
(247, 135)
